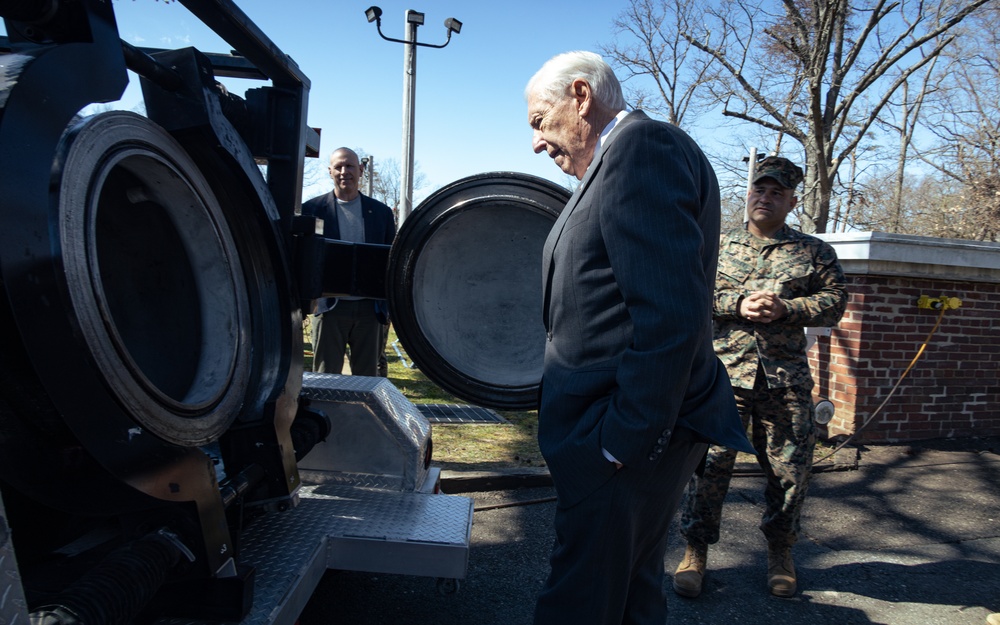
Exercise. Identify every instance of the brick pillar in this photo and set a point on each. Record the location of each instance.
(953, 390)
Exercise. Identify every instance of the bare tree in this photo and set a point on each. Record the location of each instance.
(903, 118)
(648, 42)
(387, 185)
(967, 127)
(733, 208)
(316, 177)
(820, 72)
(876, 191)
(876, 205)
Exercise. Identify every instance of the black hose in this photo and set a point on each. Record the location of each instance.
(309, 428)
(148, 67)
(115, 591)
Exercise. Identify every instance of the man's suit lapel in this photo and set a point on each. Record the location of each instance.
(332, 228)
(574, 201)
(556, 233)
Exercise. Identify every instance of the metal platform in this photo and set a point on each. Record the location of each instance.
(349, 528)
(460, 413)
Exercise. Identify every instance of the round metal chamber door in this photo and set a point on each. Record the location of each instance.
(155, 277)
(465, 286)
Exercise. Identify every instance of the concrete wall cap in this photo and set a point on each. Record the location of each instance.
(881, 253)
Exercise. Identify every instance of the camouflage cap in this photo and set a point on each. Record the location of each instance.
(787, 173)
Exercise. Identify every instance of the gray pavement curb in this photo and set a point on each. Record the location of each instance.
(457, 482)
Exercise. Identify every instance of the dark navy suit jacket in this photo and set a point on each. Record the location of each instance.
(380, 227)
(628, 272)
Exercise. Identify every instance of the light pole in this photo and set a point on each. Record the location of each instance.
(751, 162)
(371, 175)
(368, 165)
(413, 20)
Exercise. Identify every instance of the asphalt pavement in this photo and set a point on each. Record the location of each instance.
(892, 535)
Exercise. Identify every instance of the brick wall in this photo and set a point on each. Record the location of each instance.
(953, 389)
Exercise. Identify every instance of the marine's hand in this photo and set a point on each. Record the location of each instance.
(762, 307)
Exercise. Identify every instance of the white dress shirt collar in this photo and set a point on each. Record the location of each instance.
(607, 130)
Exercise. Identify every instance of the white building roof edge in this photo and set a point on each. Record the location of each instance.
(881, 253)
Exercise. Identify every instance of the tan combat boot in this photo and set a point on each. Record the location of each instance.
(780, 571)
(993, 619)
(691, 570)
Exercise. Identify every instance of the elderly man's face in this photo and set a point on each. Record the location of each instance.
(561, 131)
(345, 170)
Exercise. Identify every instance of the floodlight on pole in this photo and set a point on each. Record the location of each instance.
(414, 19)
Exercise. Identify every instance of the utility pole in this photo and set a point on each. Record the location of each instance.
(371, 175)
(751, 170)
(413, 20)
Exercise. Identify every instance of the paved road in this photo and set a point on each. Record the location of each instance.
(912, 537)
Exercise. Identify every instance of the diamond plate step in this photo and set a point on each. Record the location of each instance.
(350, 528)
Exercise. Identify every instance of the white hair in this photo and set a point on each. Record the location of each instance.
(554, 79)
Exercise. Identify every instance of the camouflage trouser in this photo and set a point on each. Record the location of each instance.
(782, 425)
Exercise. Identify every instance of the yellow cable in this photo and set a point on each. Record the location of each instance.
(891, 393)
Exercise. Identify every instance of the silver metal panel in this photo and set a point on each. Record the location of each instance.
(402, 558)
(404, 533)
(349, 528)
(377, 434)
(412, 517)
(432, 479)
(287, 549)
(346, 478)
(13, 607)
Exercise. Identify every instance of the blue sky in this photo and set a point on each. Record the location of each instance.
(470, 110)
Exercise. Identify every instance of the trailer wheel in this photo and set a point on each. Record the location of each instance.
(448, 586)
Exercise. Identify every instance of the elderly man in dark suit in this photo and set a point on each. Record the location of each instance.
(355, 322)
(631, 390)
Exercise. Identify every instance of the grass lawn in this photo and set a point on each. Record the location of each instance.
(469, 446)
(480, 447)
(477, 447)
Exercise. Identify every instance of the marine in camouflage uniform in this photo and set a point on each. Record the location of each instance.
(763, 347)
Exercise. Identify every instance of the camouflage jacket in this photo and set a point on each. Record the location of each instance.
(803, 270)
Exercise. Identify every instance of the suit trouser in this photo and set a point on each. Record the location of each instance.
(607, 563)
(382, 363)
(784, 437)
(350, 323)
